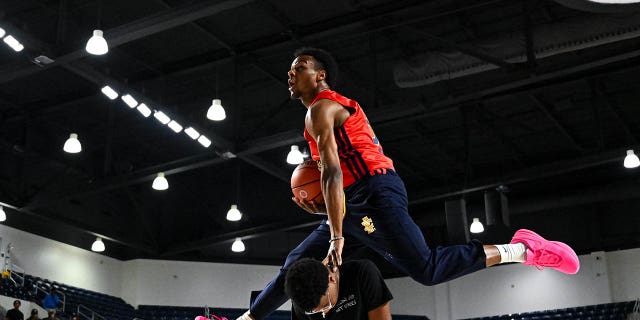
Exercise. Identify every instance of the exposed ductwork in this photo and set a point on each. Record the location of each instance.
(619, 191)
(548, 40)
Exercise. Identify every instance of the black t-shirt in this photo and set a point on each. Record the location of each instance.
(15, 314)
(362, 289)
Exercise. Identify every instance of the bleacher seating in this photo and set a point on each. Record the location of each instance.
(606, 311)
(114, 308)
(8, 288)
(111, 308)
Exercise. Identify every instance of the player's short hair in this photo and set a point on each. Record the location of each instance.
(325, 61)
(306, 282)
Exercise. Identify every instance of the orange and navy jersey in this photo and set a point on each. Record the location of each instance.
(359, 150)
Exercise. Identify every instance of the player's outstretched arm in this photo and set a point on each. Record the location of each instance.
(320, 122)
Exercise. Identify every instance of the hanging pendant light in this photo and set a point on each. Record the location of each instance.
(238, 245)
(216, 111)
(631, 160)
(476, 226)
(160, 182)
(234, 214)
(97, 45)
(72, 145)
(295, 156)
(98, 245)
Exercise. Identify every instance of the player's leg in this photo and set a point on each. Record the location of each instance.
(377, 216)
(398, 239)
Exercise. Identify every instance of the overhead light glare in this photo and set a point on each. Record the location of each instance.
(476, 226)
(204, 141)
(130, 101)
(295, 156)
(216, 111)
(3, 215)
(160, 182)
(98, 245)
(144, 110)
(631, 160)
(160, 116)
(238, 245)
(176, 127)
(191, 132)
(97, 45)
(2, 32)
(109, 92)
(72, 145)
(13, 43)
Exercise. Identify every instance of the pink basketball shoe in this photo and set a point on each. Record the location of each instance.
(543, 253)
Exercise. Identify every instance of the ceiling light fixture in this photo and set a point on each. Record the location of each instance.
(2, 32)
(234, 214)
(160, 182)
(109, 92)
(144, 110)
(130, 101)
(160, 116)
(13, 43)
(98, 245)
(97, 45)
(43, 60)
(615, 1)
(295, 156)
(631, 160)
(191, 132)
(238, 245)
(216, 111)
(3, 215)
(204, 141)
(176, 127)
(72, 145)
(476, 226)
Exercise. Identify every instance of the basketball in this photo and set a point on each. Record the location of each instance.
(305, 182)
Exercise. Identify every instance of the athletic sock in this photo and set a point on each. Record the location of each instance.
(514, 252)
(246, 316)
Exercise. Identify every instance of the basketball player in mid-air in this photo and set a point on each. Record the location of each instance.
(366, 202)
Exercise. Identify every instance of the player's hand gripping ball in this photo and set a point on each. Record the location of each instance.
(305, 182)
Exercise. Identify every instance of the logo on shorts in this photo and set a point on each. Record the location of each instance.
(367, 223)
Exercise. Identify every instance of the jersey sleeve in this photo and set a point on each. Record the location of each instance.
(372, 286)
